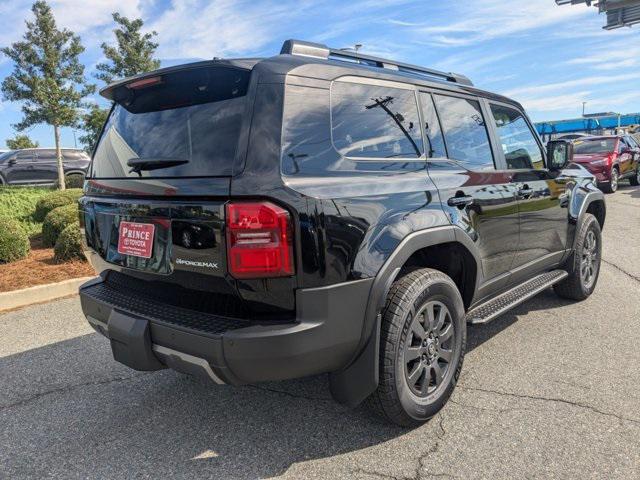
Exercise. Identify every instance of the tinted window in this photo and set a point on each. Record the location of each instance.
(520, 148)
(465, 131)
(192, 115)
(375, 122)
(73, 155)
(596, 145)
(25, 155)
(47, 155)
(434, 141)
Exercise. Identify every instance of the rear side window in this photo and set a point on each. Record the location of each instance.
(25, 156)
(184, 123)
(371, 121)
(518, 143)
(465, 131)
(73, 155)
(47, 155)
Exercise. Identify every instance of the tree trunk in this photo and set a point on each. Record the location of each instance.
(61, 185)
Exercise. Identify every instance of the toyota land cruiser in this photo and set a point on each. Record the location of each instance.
(323, 211)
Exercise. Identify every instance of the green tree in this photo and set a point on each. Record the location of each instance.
(133, 53)
(47, 77)
(19, 142)
(91, 122)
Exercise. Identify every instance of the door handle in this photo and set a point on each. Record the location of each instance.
(460, 202)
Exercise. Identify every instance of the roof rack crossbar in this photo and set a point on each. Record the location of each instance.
(318, 50)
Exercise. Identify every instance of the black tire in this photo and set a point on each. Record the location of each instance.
(430, 296)
(579, 284)
(612, 185)
(635, 179)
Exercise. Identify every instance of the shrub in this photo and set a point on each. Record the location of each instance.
(54, 200)
(72, 181)
(19, 203)
(56, 221)
(14, 240)
(69, 245)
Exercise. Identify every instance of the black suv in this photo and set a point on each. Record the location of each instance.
(33, 166)
(344, 214)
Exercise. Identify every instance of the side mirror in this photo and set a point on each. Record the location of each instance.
(12, 161)
(559, 154)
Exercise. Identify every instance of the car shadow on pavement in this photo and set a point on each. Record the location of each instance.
(629, 190)
(68, 409)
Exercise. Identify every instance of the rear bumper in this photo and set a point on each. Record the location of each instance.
(324, 337)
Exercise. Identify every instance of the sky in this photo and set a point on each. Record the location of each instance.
(550, 58)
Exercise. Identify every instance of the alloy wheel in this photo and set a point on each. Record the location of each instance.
(614, 180)
(589, 263)
(429, 347)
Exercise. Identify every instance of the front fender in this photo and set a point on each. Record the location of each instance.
(582, 198)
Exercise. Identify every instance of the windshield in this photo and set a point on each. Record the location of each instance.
(185, 123)
(596, 145)
(4, 155)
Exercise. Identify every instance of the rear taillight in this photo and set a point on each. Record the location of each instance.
(611, 157)
(259, 240)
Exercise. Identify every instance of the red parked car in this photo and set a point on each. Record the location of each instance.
(610, 158)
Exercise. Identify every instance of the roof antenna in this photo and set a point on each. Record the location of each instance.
(355, 48)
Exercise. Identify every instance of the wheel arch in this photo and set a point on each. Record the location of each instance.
(357, 381)
(592, 202)
(76, 172)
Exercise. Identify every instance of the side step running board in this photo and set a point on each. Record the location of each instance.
(514, 297)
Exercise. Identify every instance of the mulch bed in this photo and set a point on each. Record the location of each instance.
(39, 269)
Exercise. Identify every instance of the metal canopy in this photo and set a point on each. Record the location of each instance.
(588, 124)
(620, 13)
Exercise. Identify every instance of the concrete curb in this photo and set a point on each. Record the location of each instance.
(40, 293)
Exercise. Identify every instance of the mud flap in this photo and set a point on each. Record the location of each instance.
(131, 342)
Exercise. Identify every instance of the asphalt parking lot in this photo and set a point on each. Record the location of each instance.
(550, 390)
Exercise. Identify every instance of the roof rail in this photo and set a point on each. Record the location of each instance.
(318, 50)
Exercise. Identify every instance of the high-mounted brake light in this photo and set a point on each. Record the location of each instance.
(259, 240)
(145, 82)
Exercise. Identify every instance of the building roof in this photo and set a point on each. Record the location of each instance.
(620, 13)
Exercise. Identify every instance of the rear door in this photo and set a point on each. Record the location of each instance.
(160, 176)
(474, 190)
(542, 195)
(45, 166)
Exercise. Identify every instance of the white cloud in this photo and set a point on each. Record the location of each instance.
(554, 103)
(569, 85)
(84, 15)
(203, 29)
(89, 18)
(483, 20)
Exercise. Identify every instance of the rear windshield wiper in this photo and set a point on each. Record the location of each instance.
(139, 164)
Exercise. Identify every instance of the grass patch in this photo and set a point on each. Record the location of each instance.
(20, 203)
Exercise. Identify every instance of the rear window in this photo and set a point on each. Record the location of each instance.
(601, 145)
(180, 124)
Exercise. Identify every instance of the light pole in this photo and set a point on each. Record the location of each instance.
(583, 104)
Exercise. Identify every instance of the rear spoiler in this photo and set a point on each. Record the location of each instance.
(108, 92)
